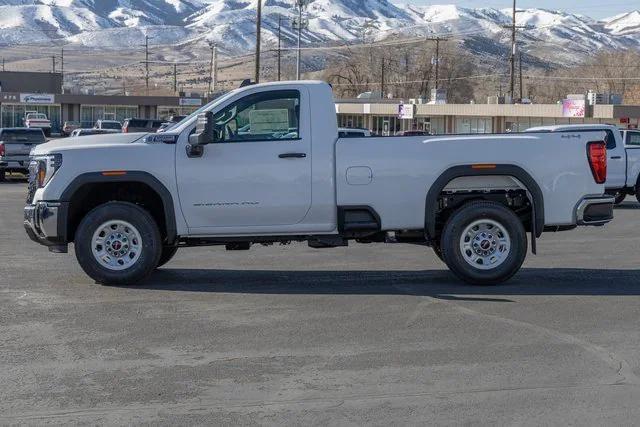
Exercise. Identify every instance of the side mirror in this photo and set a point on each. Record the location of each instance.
(205, 130)
(205, 134)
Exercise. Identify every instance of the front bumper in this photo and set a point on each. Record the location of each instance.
(595, 210)
(45, 223)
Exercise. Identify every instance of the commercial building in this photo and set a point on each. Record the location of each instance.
(42, 92)
(388, 117)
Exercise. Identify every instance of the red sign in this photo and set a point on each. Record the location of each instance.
(624, 120)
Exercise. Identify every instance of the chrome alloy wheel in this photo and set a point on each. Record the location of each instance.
(116, 245)
(485, 244)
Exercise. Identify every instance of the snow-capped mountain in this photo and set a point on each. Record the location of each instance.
(190, 24)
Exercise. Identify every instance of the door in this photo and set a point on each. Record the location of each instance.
(616, 162)
(258, 173)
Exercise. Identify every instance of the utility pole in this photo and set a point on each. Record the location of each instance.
(279, 45)
(437, 59)
(146, 62)
(512, 59)
(382, 79)
(175, 77)
(299, 24)
(124, 84)
(213, 67)
(53, 63)
(521, 84)
(62, 67)
(3, 63)
(513, 52)
(258, 31)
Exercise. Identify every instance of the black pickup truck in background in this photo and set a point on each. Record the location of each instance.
(15, 146)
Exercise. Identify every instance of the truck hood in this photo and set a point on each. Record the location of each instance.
(87, 142)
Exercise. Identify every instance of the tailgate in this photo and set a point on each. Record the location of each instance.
(18, 149)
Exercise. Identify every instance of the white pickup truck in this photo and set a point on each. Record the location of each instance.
(35, 120)
(264, 164)
(623, 166)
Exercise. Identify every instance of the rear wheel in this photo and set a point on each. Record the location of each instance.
(3, 175)
(619, 196)
(118, 243)
(484, 243)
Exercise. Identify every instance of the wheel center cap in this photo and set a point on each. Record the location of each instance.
(485, 244)
(116, 245)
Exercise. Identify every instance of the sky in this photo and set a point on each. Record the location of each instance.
(593, 8)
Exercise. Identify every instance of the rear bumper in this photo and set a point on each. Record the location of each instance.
(16, 165)
(595, 210)
(45, 223)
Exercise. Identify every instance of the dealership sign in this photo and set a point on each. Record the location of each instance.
(37, 98)
(406, 111)
(191, 102)
(574, 108)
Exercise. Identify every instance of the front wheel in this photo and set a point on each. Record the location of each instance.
(118, 243)
(484, 243)
(168, 252)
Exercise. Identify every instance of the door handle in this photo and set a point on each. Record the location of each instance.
(293, 155)
(615, 157)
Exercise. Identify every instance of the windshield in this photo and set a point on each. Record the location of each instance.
(23, 135)
(36, 116)
(181, 125)
(111, 125)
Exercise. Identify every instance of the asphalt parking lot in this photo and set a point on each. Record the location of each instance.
(371, 334)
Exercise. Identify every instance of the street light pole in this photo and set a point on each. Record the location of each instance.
(300, 4)
(258, 31)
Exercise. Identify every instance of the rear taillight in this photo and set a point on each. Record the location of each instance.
(597, 155)
(1, 149)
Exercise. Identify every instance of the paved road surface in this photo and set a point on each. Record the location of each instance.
(371, 334)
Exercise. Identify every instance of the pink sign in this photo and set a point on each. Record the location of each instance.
(573, 108)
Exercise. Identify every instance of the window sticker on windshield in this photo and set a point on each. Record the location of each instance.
(268, 121)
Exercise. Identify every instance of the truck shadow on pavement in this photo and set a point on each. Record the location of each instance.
(435, 283)
(628, 205)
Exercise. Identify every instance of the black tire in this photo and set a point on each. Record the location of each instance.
(619, 196)
(151, 247)
(465, 216)
(3, 175)
(638, 192)
(168, 253)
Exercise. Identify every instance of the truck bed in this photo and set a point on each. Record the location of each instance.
(393, 174)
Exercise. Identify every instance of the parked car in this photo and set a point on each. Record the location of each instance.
(170, 122)
(70, 126)
(622, 170)
(128, 201)
(413, 133)
(15, 146)
(109, 126)
(141, 125)
(90, 131)
(35, 120)
(353, 132)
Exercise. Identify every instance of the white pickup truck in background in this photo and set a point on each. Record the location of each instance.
(623, 163)
(35, 120)
(263, 164)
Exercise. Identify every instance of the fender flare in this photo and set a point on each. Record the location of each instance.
(129, 176)
(431, 205)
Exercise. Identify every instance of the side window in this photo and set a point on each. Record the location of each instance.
(633, 138)
(264, 116)
(610, 139)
